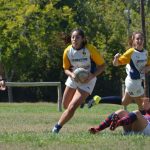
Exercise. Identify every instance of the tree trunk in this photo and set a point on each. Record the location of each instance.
(9, 89)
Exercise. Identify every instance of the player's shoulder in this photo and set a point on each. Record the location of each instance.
(129, 51)
(67, 48)
(91, 48)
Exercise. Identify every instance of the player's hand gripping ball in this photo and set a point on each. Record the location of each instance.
(81, 75)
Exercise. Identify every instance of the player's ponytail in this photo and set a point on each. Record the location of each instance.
(66, 38)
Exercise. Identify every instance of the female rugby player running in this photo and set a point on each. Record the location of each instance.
(78, 55)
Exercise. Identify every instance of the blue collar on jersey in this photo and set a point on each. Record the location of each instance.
(139, 50)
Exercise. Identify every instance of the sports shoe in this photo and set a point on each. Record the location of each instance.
(55, 130)
(96, 99)
(114, 124)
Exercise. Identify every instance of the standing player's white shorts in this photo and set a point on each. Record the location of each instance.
(87, 87)
(134, 87)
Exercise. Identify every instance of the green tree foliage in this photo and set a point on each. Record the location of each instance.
(30, 37)
(31, 34)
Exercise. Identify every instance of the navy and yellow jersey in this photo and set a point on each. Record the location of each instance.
(87, 57)
(135, 62)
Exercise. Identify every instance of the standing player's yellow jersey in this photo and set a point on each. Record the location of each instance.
(87, 57)
(136, 61)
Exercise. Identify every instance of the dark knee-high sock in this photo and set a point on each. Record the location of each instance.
(128, 119)
(111, 100)
(106, 123)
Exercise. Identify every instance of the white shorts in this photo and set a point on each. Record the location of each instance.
(87, 87)
(134, 87)
(146, 131)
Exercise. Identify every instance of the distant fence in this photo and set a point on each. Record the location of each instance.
(34, 84)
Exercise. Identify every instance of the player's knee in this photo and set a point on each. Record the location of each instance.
(71, 108)
(125, 103)
(121, 113)
(65, 104)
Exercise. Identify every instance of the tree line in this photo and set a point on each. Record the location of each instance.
(32, 39)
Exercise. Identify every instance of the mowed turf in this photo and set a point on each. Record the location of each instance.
(27, 126)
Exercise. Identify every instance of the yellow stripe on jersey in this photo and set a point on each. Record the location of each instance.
(66, 62)
(95, 55)
(126, 57)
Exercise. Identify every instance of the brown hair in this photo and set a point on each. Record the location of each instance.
(131, 38)
(67, 38)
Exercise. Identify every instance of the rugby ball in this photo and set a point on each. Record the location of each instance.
(81, 74)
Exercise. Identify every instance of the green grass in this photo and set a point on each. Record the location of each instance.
(27, 126)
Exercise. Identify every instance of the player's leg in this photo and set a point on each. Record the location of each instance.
(139, 102)
(140, 123)
(76, 101)
(81, 93)
(67, 96)
(127, 99)
(135, 119)
(103, 125)
(106, 100)
(69, 92)
(112, 118)
(116, 117)
(139, 94)
(78, 98)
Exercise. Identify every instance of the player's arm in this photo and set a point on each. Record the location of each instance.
(123, 59)
(98, 59)
(2, 78)
(106, 100)
(67, 65)
(116, 61)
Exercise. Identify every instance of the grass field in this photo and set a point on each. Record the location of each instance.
(27, 126)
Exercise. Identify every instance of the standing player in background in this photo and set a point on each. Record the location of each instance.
(2, 80)
(137, 65)
(78, 55)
